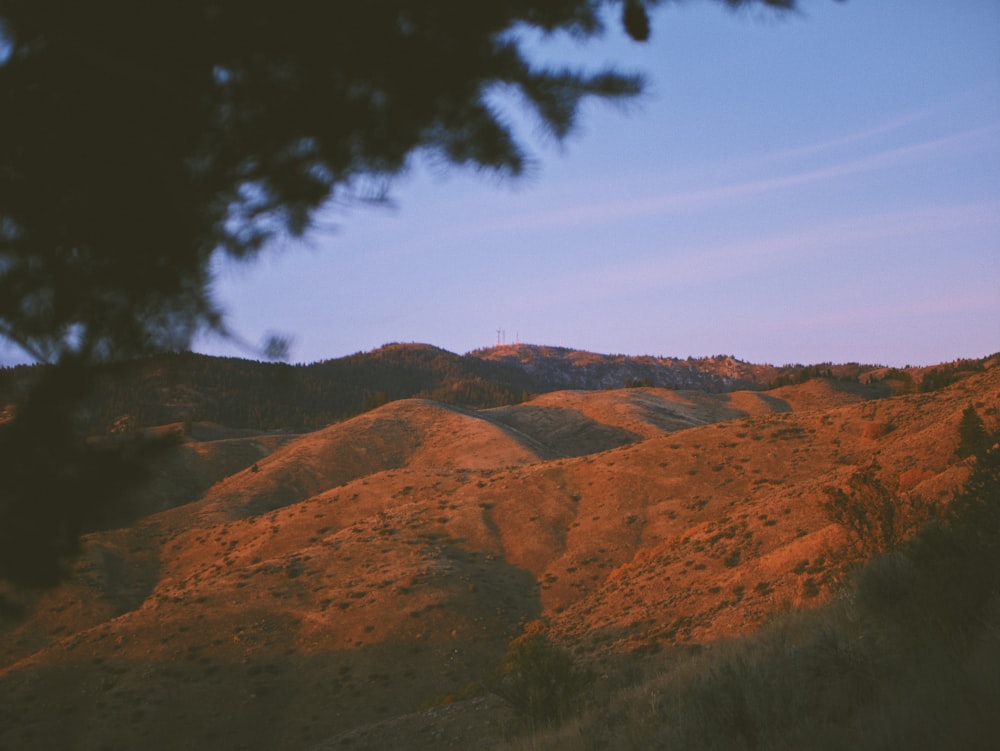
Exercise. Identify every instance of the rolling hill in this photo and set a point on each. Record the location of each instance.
(341, 586)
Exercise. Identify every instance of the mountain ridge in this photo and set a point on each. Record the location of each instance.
(244, 394)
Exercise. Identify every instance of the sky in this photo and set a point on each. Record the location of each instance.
(816, 187)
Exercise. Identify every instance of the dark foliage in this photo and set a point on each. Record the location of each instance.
(876, 519)
(866, 510)
(945, 375)
(635, 20)
(274, 396)
(972, 437)
(539, 679)
(136, 141)
(900, 381)
(959, 557)
(55, 484)
(139, 139)
(798, 374)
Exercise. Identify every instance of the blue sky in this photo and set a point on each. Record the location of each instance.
(817, 187)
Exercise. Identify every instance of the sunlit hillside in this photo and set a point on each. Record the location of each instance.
(358, 585)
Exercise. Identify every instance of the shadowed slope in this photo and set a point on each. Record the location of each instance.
(183, 473)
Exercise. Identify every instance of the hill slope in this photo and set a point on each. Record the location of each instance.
(319, 584)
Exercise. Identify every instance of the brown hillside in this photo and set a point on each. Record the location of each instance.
(369, 568)
(407, 433)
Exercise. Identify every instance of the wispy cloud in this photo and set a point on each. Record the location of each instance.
(588, 211)
(678, 267)
(851, 139)
(891, 125)
(682, 202)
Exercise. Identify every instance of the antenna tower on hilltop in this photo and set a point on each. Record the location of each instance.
(502, 337)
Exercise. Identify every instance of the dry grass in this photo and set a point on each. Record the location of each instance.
(905, 656)
(368, 568)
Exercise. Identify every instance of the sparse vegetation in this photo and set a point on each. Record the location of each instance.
(416, 567)
(906, 657)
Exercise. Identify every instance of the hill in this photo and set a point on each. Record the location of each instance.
(577, 369)
(291, 590)
(186, 387)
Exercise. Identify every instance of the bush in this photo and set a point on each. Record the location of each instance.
(972, 438)
(875, 519)
(538, 678)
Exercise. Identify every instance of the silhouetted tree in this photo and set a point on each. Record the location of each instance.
(57, 485)
(138, 139)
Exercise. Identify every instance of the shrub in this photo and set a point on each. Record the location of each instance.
(538, 678)
(876, 520)
(972, 438)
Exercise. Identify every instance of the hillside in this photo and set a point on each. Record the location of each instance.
(186, 387)
(319, 589)
(576, 369)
